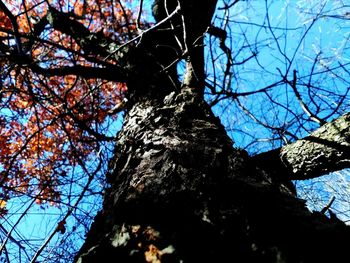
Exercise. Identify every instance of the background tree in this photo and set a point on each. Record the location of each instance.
(64, 66)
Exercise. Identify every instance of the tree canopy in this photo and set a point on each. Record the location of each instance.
(274, 72)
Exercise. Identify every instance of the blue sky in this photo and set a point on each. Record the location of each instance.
(327, 38)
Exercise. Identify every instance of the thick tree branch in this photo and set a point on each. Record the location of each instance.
(95, 43)
(323, 151)
(194, 26)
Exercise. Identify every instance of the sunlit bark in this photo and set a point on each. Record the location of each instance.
(325, 150)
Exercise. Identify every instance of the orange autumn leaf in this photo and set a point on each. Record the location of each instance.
(50, 125)
(4, 21)
(2, 204)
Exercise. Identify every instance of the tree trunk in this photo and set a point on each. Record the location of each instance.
(180, 192)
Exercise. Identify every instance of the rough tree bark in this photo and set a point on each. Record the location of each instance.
(180, 191)
(325, 150)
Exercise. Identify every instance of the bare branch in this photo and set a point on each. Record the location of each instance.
(325, 150)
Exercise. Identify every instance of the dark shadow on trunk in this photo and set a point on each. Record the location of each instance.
(180, 192)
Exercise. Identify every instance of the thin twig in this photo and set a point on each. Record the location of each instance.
(306, 109)
(324, 210)
(228, 6)
(9, 236)
(138, 25)
(70, 210)
(177, 9)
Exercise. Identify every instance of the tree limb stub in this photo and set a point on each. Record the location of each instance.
(325, 150)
